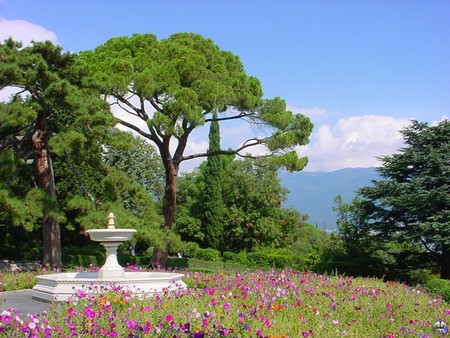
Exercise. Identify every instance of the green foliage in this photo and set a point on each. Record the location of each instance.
(277, 259)
(177, 263)
(52, 115)
(252, 216)
(140, 161)
(175, 85)
(228, 256)
(196, 264)
(211, 201)
(410, 204)
(191, 249)
(12, 281)
(208, 254)
(352, 249)
(441, 287)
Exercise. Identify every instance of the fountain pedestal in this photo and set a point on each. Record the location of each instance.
(63, 286)
(111, 268)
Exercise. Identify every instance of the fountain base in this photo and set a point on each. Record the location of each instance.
(62, 286)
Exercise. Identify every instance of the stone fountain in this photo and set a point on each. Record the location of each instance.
(63, 286)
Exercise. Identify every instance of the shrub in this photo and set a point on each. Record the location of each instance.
(272, 258)
(192, 249)
(228, 256)
(208, 255)
(441, 287)
(177, 263)
(242, 258)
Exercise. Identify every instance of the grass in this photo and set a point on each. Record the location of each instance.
(242, 304)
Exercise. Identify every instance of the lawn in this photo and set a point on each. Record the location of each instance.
(243, 304)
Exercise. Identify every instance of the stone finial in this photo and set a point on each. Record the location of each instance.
(111, 221)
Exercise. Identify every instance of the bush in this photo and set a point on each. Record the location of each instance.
(77, 260)
(229, 256)
(208, 255)
(277, 259)
(242, 258)
(127, 259)
(191, 249)
(177, 263)
(441, 287)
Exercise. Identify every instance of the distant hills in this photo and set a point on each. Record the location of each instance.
(313, 193)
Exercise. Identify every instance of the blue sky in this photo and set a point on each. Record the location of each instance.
(359, 69)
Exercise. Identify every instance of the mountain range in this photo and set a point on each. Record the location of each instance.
(313, 193)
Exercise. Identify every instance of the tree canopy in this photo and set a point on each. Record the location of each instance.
(50, 98)
(174, 86)
(53, 131)
(410, 205)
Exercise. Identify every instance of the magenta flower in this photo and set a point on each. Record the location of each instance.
(88, 312)
(131, 325)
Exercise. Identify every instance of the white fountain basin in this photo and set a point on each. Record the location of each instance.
(63, 286)
(111, 235)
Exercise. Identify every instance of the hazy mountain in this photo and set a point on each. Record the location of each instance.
(313, 193)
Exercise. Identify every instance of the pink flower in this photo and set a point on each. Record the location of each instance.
(389, 305)
(131, 324)
(88, 312)
(169, 318)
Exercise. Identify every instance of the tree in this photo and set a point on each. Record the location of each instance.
(410, 205)
(252, 199)
(353, 228)
(212, 203)
(252, 216)
(175, 86)
(141, 162)
(352, 248)
(50, 97)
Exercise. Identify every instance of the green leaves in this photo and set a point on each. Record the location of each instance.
(412, 202)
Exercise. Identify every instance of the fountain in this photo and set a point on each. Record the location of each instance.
(63, 286)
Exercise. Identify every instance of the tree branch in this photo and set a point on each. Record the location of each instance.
(9, 142)
(234, 117)
(428, 248)
(247, 144)
(150, 136)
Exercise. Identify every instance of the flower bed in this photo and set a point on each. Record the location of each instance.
(251, 304)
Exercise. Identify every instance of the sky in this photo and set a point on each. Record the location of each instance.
(361, 70)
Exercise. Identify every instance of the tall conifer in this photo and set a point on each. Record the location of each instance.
(212, 222)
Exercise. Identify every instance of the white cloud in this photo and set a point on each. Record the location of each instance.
(354, 142)
(24, 31)
(313, 113)
(436, 122)
(20, 30)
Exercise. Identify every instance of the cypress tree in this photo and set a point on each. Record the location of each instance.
(212, 221)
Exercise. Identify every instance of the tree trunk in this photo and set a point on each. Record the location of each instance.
(445, 262)
(51, 239)
(160, 254)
